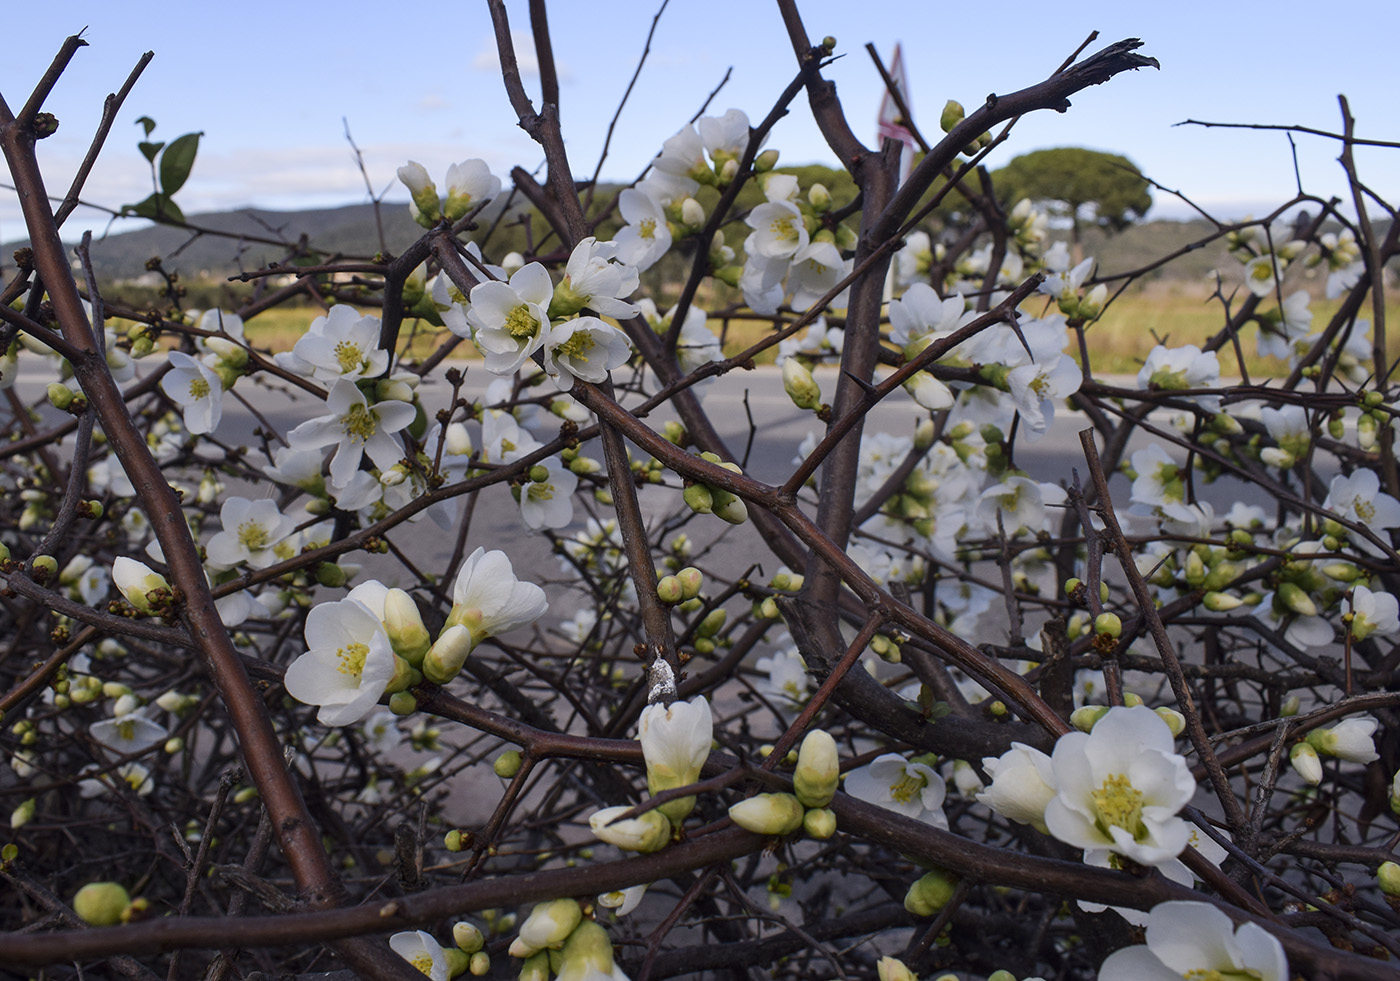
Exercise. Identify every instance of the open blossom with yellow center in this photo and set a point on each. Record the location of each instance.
(510, 319)
(911, 788)
(1199, 942)
(195, 387)
(586, 348)
(348, 664)
(342, 344)
(251, 529)
(1121, 787)
(357, 428)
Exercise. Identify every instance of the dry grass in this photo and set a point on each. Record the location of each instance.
(1174, 313)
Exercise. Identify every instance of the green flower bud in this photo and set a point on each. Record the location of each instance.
(535, 968)
(669, 590)
(691, 579)
(479, 964)
(952, 115)
(101, 903)
(1296, 599)
(1220, 602)
(1108, 623)
(728, 507)
(818, 769)
(819, 197)
(768, 814)
(699, 498)
(1388, 875)
(507, 765)
(1175, 721)
(60, 396)
(647, 832)
(893, 969)
(403, 703)
(454, 841)
(1086, 717)
(330, 575)
(1305, 761)
(445, 658)
(467, 937)
(45, 568)
(765, 161)
(713, 622)
(819, 823)
(931, 893)
(404, 625)
(800, 386)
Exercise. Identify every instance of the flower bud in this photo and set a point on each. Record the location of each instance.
(669, 590)
(931, 893)
(1175, 721)
(101, 903)
(1218, 602)
(1296, 599)
(1388, 875)
(819, 823)
(729, 508)
(647, 832)
(692, 213)
(23, 814)
(765, 161)
(768, 814)
(467, 937)
(547, 927)
(691, 579)
(893, 969)
(404, 625)
(818, 769)
(801, 387)
(507, 765)
(424, 191)
(445, 658)
(136, 582)
(60, 396)
(1306, 763)
(330, 575)
(454, 841)
(699, 498)
(952, 115)
(1084, 718)
(403, 703)
(535, 968)
(1108, 623)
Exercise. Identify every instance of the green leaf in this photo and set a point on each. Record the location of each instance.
(157, 207)
(147, 122)
(177, 161)
(149, 150)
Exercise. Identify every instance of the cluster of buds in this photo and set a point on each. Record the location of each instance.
(814, 783)
(466, 956)
(1086, 717)
(705, 499)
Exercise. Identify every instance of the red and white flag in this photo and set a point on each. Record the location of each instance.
(891, 123)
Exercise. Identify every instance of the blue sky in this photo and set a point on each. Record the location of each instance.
(269, 84)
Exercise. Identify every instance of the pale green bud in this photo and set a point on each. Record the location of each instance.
(768, 814)
(60, 396)
(1108, 623)
(893, 969)
(467, 937)
(818, 769)
(507, 765)
(647, 832)
(1388, 875)
(1296, 599)
(454, 841)
(699, 498)
(1305, 761)
(404, 625)
(931, 893)
(1175, 721)
(692, 213)
(800, 386)
(819, 197)
(1085, 718)
(445, 658)
(23, 814)
(101, 903)
(669, 590)
(330, 575)
(45, 567)
(535, 968)
(952, 115)
(728, 507)
(819, 823)
(403, 703)
(691, 579)
(1221, 602)
(713, 622)
(547, 927)
(765, 161)
(479, 964)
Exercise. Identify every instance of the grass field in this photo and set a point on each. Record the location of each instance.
(1172, 312)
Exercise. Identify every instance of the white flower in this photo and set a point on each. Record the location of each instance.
(469, 185)
(1023, 783)
(251, 529)
(196, 388)
(1350, 740)
(1197, 940)
(420, 949)
(1373, 613)
(909, 788)
(622, 901)
(645, 238)
(356, 428)
(1178, 369)
(920, 313)
(1358, 498)
(675, 744)
(814, 271)
(647, 832)
(1261, 273)
(778, 231)
(488, 600)
(1121, 787)
(131, 733)
(584, 347)
(595, 277)
(1036, 386)
(342, 344)
(787, 677)
(348, 665)
(510, 319)
(724, 137)
(548, 503)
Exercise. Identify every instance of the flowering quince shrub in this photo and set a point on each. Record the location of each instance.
(460, 634)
